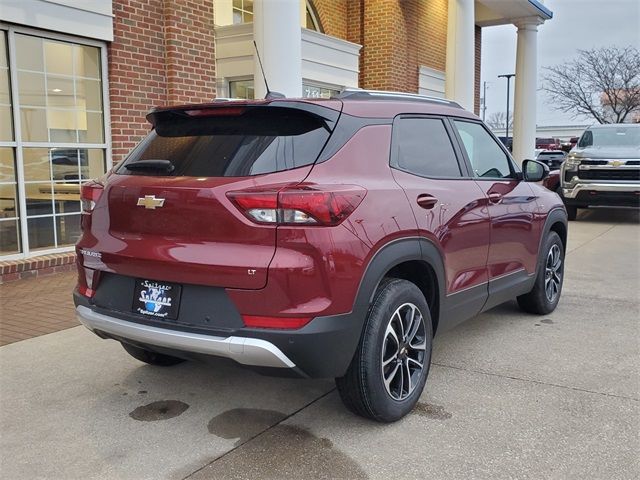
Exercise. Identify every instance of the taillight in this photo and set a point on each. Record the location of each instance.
(88, 279)
(299, 205)
(254, 321)
(90, 192)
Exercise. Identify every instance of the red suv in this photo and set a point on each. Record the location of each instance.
(548, 143)
(317, 238)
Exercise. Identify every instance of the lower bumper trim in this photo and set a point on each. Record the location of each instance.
(247, 351)
(572, 192)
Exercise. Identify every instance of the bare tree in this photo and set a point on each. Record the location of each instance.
(603, 83)
(496, 120)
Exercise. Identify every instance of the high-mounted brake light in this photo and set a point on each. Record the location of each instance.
(216, 111)
(299, 205)
(90, 192)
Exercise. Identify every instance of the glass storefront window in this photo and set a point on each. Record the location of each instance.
(241, 89)
(244, 89)
(6, 119)
(242, 11)
(9, 216)
(60, 91)
(314, 91)
(53, 177)
(61, 141)
(234, 12)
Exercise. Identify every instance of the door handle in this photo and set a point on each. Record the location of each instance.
(426, 201)
(495, 197)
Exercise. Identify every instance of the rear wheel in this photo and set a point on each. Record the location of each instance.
(152, 358)
(545, 295)
(391, 365)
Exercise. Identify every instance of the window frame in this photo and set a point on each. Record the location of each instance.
(310, 10)
(516, 173)
(18, 144)
(464, 169)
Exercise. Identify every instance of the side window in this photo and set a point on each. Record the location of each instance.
(487, 159)
(586, 140)
(422, 146)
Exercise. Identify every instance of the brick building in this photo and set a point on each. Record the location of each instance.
(78, 76)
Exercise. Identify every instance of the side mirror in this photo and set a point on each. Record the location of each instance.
(534, 171)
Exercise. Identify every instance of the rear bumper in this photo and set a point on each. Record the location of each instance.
(247, 351)
(321, 349)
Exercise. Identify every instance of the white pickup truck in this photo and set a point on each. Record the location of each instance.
(603, 169)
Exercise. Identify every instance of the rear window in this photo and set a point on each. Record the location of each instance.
(257, 141)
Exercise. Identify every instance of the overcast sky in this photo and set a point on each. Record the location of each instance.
(576, 24)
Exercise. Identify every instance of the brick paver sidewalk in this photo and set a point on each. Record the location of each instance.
(34, 307)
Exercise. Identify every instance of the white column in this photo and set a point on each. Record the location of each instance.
(526, 86)
(461, 53)
(276, 30)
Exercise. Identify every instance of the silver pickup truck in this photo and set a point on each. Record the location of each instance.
(603, 169)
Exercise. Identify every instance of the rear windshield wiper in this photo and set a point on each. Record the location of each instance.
(165, 165)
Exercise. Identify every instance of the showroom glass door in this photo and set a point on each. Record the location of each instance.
(52, 138)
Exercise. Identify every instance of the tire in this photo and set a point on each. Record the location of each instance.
(152, 358)
(572, 210)
(363, 388)
(545, 294)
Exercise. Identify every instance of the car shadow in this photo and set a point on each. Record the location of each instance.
(609, 215)
(231, 406)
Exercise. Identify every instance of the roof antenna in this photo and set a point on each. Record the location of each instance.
(269, 94)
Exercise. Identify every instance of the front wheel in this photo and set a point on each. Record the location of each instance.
(572, 210)
(545, 294)
(390, 367)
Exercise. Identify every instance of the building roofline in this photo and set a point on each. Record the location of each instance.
(544, 10)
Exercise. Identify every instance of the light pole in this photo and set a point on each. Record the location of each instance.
(508, 77)
(484, 99)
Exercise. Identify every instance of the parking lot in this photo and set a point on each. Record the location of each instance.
(510, 395)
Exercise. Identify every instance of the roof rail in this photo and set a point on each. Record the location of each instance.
(360, 94)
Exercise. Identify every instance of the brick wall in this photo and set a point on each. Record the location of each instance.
(162, 53)
(190, 51)
(333, 15)
(432, 33)
(36, 266)
(397, 37)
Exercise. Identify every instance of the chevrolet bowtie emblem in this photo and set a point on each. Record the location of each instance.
(616, 163)
(150, 202)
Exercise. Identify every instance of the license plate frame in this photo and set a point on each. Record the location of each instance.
(156, 299)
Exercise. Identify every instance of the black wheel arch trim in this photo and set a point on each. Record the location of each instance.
(557, 215)
(393, 254)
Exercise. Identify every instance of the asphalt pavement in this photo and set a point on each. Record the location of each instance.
(510, 395)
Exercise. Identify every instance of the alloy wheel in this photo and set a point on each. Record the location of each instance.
(403, 351)
(553, 273)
